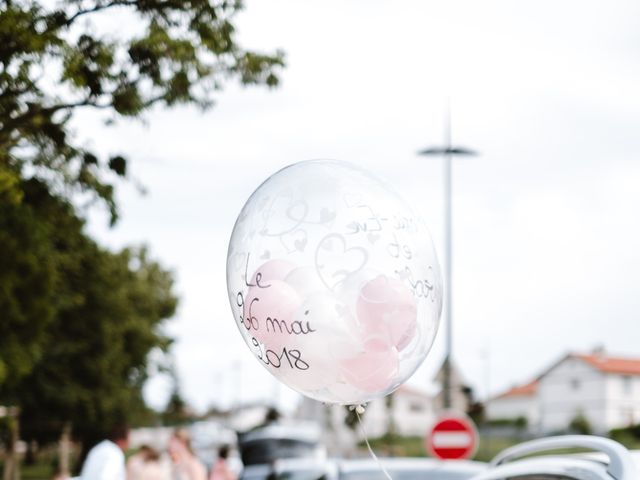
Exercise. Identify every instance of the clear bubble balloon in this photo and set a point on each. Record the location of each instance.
(333, 282)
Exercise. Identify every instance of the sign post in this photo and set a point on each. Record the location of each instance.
(452, 437)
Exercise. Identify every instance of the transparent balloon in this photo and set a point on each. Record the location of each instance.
(333, 282)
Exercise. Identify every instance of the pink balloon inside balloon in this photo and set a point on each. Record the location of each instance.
(387, 311)
(268, 313)
(371, 371)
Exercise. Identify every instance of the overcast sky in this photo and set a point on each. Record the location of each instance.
(546, 225)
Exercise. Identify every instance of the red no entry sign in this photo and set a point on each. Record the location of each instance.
(452, 437)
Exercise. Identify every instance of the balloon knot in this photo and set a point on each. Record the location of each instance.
(359, 409)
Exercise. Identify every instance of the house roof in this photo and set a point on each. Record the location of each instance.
(606, 364)
(521, 390)
(599, 361)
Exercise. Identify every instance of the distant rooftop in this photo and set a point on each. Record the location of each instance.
(598, 360)
(607, 364)
(521, 390)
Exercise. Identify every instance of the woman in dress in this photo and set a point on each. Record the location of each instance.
(186, 465)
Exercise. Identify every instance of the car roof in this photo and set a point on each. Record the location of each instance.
(602, 458)
(307, 434)
(336, 467)
(411, 463)
(562, 466)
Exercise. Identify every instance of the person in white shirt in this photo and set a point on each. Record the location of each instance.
(105, 461)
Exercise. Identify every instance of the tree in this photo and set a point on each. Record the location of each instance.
(27, 279)
(54, 62)
(90, 357)
(64, 299)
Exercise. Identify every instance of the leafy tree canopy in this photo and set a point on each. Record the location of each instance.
(54, 60)
(78, 352)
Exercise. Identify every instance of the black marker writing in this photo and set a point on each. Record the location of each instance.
(292, 357)
(421, 287)
(258, 277)
(296, 327)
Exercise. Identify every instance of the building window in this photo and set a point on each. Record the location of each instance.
(626, 385)
(575, 384)
(416, 407)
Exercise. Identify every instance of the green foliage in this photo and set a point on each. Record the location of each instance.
(396, 445)
(54, 61)
(27, 286)
(580, 424)
(521, 423)
(517, 422)
(476, 411)
(81, 319)
(627, 435)
(78, 321)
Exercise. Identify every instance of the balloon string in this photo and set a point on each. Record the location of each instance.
(366, 439)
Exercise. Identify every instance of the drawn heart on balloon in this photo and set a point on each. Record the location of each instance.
(334, 260)
(298, 211)
(373, 237)
(295, 213)
(327, 215)
(300, 244)
(294, 241)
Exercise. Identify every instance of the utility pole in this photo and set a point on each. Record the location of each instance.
(447, 151)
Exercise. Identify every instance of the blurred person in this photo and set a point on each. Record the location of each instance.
(186, 465)
(147, 464)
(105, 461)
(221, 470)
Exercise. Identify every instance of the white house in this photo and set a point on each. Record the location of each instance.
(520, 401)
(409, 413)
(603, 389)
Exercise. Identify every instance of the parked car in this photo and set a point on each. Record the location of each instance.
(612, 461)
(364, 469)
(265, 445)
(542, 459)
(409, 469)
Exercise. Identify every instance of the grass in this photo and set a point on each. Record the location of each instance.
(38, 471)
(489, 447)
(43, 467)
(397, 446)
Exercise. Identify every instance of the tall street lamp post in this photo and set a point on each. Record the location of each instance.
(448, 151)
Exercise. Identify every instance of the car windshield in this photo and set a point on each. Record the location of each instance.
(266, 451)
(303, 475)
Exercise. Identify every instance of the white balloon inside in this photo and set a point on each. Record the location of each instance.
(334, 282)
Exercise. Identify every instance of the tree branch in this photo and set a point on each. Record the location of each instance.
(9, 126)
(97, 8)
